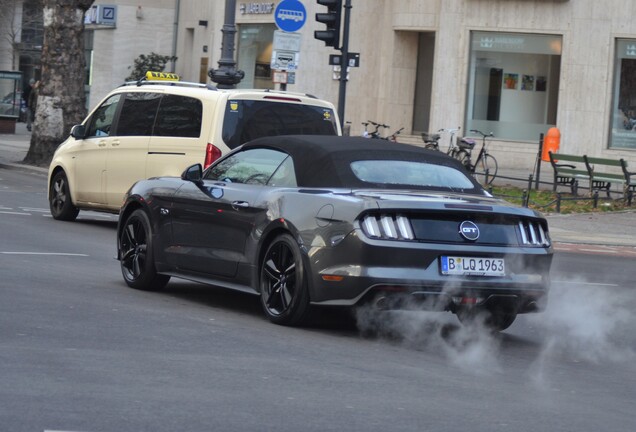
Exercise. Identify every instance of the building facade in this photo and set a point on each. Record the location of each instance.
(119, 31)
(511, 67)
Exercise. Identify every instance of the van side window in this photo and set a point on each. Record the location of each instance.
(102, 119)
(138, 114)
(179, 116)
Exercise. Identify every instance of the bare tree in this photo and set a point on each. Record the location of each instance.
(10, 12)
(61, 102)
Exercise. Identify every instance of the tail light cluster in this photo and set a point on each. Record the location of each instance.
(387, 227)
(212, 153)
(533, 234)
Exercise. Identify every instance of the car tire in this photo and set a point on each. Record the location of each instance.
(495, 319)
(283, 283)
(136, 254)
(60, 203)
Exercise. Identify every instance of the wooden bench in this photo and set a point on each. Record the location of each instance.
(568, 174)
(602, 179)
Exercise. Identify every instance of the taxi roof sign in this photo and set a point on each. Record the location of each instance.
(161, 76)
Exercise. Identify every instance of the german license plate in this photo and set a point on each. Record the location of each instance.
(467, 266)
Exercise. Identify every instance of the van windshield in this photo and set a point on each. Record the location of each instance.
(246, 120)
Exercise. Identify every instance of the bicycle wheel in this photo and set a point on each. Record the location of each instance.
(464, 157)
(486, 170)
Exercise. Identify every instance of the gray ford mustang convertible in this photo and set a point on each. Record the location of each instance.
(315, 220)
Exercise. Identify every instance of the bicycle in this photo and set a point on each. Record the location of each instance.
(375, 133)
(431, 141)
(393, 136)
(485, 167)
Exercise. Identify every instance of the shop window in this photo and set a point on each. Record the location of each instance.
(513, 84)
(623, 121)
(255, 54)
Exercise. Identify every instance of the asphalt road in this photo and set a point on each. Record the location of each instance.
(79, 351)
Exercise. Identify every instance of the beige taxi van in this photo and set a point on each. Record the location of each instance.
(158, 126)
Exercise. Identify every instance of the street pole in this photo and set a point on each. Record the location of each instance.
(227, 75)
(342, 92)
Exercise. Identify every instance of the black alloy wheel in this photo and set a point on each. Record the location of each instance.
(284, 293)
(60, 203)
(135, 254)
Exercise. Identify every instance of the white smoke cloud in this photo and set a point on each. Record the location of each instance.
(583, 322)
(473, 349)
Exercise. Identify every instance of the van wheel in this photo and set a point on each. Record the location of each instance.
(60, 203)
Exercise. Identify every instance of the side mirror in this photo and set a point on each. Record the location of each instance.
(78, 131)
(193, 173)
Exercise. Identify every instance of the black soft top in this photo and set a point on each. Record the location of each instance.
(325, 161)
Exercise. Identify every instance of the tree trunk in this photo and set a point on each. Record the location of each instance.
(61, 102)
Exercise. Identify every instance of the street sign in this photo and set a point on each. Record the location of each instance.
(286, 41)
(284, 60)
(336, 59)
(290, 15)
(279, 77)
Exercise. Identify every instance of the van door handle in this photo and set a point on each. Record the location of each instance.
(236, 205)
(115, 143)
(101, 143)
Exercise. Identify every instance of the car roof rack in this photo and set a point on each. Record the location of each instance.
(290, 93)
(144, 82)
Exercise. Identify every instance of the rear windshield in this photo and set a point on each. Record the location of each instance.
(398, 173)
(246, 120)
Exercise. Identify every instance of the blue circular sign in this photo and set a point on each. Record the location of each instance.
(290, 15)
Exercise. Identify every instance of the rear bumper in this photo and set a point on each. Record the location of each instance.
(407, 274)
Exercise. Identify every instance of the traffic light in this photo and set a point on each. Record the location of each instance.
(330, 36)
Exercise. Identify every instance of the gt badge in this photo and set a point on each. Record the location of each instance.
(469, 230)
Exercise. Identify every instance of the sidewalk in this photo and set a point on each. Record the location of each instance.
(600, 229)
(14, 148)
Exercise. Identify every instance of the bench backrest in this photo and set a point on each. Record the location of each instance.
(589, 160)
(558, 157)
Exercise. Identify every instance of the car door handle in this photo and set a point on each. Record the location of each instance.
(115, 143)
(101, 143)
(236, 205)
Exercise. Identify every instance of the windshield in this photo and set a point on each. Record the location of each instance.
(246, 120)
(410, 173)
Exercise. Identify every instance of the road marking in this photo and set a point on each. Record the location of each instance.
(44, 253)
(15, 213)
(585, 283)
(34, 209)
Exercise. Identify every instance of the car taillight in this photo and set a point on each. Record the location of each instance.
(212, 153)
(533, 234)
(387, 226)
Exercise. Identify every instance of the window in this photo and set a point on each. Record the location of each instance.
(253, 166)
(102, 119)
(246, 120)
(179, 116)
(623, 121)
(513, 84)
(407, 173)
(254, 55)
(138, 114)
(285, 176)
